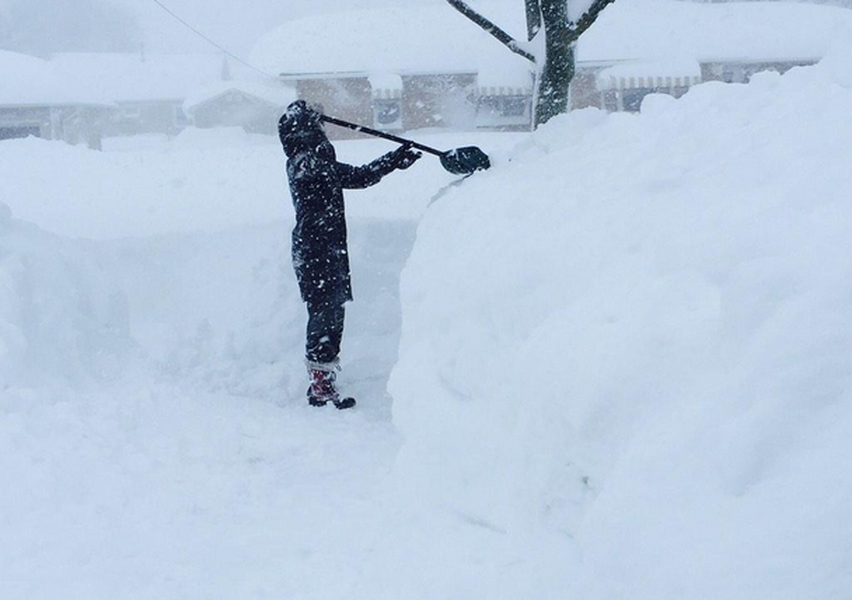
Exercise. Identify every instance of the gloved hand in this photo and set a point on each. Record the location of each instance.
(404, 156)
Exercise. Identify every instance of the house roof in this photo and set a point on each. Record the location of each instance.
(106, 79)
(732, 31)
(436, 39)
(401, 40)
(138, 78)
(273, 94)
(30, 81)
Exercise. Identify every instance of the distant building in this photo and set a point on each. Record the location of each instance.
(661, 46)
(151, 90)
(254, 107)
(401, 68)
(86, 96)
(429, 67)
(37, 100)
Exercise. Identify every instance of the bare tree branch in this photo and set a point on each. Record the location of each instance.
(587, 20)
(504, 38)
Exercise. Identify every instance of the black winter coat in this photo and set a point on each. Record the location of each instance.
(317, 180)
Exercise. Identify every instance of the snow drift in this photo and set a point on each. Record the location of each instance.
(61, 316)
(155, 441)
(626, 356)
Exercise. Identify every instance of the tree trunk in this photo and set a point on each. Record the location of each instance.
(553, 80)
(554, 77)
(533, 9)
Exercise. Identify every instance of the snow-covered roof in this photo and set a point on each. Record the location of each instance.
(274, 93)
(733, 31)
(404, 40)
(436, 39)
(150, 77)
(30, 81)
(680, 72)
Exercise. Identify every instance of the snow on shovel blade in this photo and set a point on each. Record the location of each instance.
(464, 161)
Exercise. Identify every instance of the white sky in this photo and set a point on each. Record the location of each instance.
(235, 24)
(57, 25)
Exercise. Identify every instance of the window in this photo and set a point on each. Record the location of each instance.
(19, 131)
(387, 114)
(610, 100)
(633, 98)
(514, 106)
(131, 113)
(489, 104)
(504, 106)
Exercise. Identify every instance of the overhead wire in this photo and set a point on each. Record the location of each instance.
(209, 40)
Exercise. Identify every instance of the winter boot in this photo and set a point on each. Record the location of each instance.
(323, 389)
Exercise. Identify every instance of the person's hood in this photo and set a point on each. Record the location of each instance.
(312, 140)
(300, 130)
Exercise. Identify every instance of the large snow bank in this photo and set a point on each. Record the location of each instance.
(626, 360)
(190, 237)
(62, 318)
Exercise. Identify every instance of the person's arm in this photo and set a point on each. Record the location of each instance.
(354, 178)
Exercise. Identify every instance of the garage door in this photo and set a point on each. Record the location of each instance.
(17, 132)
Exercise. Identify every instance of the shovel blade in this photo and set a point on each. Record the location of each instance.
(464, 161)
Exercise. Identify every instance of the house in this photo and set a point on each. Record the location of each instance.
(401, 68)
(256, 107)
(662, 46)
(154, 92)
(38, 100)
(427, 66)
(86, 96)
(148, 89)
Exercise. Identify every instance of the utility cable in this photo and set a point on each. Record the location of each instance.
(210, 41)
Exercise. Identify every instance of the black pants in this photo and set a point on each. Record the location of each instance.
(325, 331)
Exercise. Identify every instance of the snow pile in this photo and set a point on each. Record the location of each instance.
(626, 360)
(155, 441)
(62, 318)
(191, 238)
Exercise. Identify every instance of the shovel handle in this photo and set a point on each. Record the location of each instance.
(381, 134)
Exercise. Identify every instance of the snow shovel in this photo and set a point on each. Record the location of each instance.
(461, 161)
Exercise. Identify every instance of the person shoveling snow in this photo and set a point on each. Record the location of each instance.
(320, 254)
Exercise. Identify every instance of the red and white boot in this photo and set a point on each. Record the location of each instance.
(323, 386)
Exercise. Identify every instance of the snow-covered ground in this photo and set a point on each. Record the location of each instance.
(154, 435)
(619, 362)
